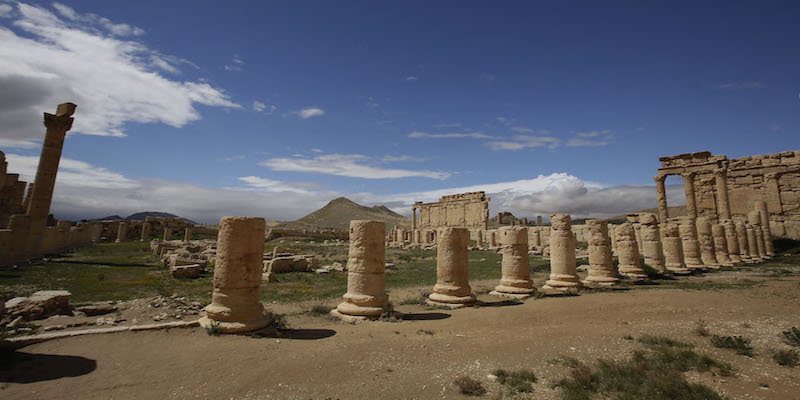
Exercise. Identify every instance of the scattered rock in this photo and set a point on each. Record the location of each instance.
(40, 305)
(92, 310)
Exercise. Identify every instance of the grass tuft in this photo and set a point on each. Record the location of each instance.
(792, 336)
(213, 329)
(468, 386)
(655, 341)
(787, 358)
(319, 309)
(737, 343)
(518, 381)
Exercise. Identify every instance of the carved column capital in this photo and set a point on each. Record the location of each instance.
(689, 175)
(58, 122)
(721, 172)
(659, 178)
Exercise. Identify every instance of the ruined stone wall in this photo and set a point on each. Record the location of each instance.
(322, 234)
(12, 193)
(465, 210)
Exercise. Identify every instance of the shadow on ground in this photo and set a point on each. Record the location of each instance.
(18, 367)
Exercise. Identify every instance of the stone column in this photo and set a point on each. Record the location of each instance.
(122, 232)
(630, 263)
(765, 227)
(601, 265)
(707, 251)
(732, 241)
(492, 240)
(755, 221)
(235, 305)
(721, 246)
(773, 190)
(691, 205)
(187, 234)
(661, 193)
(146, 231)
(480, 239)
(673, 250)
(651, 242)
(723, 205)
(452, 272)
(167, 233)
(516, 281)
(563, 270)
(744, 246)
(414, 218)
(366, 296)
(691, 247)
(42, 193)
(752, 242)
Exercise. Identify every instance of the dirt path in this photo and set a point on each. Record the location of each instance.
(383, 360)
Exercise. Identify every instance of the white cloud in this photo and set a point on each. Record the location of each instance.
(448, 125)
(474, 135)
(411, 78)
(73, 173)
(350, 165)
(402, 158)
(309, 112)
(261, 107)
(525, 141)
(596, 133)
(272, 185)
(521, 129)
(742, 85)
(317, 150)
(95, 20)
(235, 158)
(236, 64)
(114, 82)
(578, 142)
(5, 10)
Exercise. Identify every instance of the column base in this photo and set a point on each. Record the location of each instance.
(679, 270)
(452, 302)
(515, 296)
(236, 327)
(600, 281)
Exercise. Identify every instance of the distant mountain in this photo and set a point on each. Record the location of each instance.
(108, 218)
(339, 212)
(140, 216)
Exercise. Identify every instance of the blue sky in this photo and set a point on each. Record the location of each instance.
(274, 108)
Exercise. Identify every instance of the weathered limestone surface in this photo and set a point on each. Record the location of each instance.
(235, 305)
(630, 263)
(366, 296)
(563, 270)
(39, 305)
(752, 242)
(146, 231)
(122, 232)
(721, 246)
(187, 234)
(651, 242)
(704, 236)
(754, 218)
(465, 210)
(601, 265)
(744, 245)
(732, 240)
(452, 272)
(167, 233)
(761, 206)
(516, 280)
(691, 247)
(673, 250)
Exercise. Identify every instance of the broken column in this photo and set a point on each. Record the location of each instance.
(492, 240)
(732, 241)
(755, 221)
(42, 192)
(146, 231)
(452, 273)
(563, 271)
(601, 265)
(651, 242)
(721, 245)
(366, 296)
(706, 240)
(673, 249)
(752, 242)
(122, 232)
(630, 263)
(691, 247)
(762, 208)
(167, 233)
(187, 234)
(235, 305)
(516, 281)
(744, 245)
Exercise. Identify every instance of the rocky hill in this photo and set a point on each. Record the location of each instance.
(140, 216)
(339, 212)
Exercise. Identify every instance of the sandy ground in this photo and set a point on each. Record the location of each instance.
(326, 359)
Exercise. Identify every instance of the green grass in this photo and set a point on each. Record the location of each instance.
(737, 343)
(517, 381)
(656, 373)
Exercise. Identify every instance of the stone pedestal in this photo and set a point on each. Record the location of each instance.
(601, 265)
(516, 281)
(122, 232)
(755, 221)
(146, 231)
(630, 263)
(563, 270)
(721, 246)
(732, 240)
(673, 250)
(765, 226)
(708, 253)
(452, 273)
(366, 296)
(691, 247)
(235, 305)
(651, 242)
(744, 244)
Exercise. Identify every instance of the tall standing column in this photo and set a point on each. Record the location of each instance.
(661, 193)
(732, 241)
(691, 247)
(601, 265)
(706, 240)
(651, 242)
(744, 246)
(563, 270)
(630, 263)
(366, 296)
(673, 249)
(452, 271)
(122, 232)
(755, 221)
(167, 233)
(235, 305)
(765, 227)
(691, 204)
(413, 218)
(723, 205)
(516, 268)
(42, 194)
